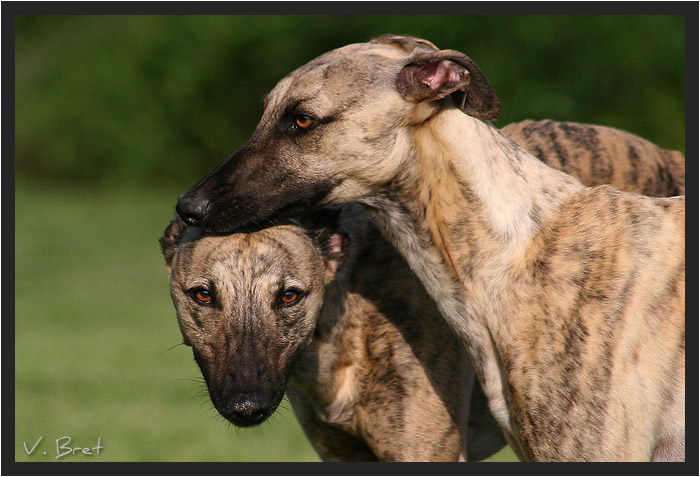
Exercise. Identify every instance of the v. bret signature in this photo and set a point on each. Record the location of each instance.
(63, 449)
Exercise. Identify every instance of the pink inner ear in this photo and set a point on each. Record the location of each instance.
(337, 243)
(438, 74)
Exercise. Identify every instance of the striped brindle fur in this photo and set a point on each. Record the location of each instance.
(358, 361)
(570, 300)
(394, 380)
(599, 155)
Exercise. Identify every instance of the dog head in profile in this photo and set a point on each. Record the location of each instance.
(337, 130)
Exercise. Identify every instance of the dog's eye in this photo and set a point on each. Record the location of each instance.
(202, 296)
(290, 297)
(302, 121)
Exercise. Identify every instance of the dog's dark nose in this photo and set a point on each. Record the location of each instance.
(247, 408)
(191, 208)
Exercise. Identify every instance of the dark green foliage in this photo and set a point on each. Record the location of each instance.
(165, 98)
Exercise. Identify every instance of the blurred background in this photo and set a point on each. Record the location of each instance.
(118, 115)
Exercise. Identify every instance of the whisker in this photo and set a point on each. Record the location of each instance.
(173, 347)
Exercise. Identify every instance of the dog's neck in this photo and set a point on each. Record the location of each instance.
(325, 373)
(464, 212)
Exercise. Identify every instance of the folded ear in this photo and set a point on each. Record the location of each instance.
(405, 43)
(430, 76)
(333, 242)
(169, 241)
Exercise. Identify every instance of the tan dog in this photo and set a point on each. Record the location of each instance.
(393, 380)
(570, 300)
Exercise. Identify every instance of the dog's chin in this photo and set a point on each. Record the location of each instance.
(251, 422)
(228, 222)
(247, 214)
(221, 221)
(224, 227)
(242, 416)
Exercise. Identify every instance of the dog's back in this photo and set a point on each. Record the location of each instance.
(598, 155)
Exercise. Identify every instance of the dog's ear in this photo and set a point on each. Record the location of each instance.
(335, 247)
(169, 241)
(405, 43)
(324, 229)
(430, 76)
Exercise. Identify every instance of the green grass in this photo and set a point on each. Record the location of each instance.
(96, 336)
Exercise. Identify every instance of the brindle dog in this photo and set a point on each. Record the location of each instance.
(570, 300)
(394, 379)
(372, 372)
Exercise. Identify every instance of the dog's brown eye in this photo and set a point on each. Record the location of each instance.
(290, 297)
(202, 295)
(303, 121)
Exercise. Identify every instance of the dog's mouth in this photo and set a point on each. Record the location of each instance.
(246, 216)
(235, 209)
